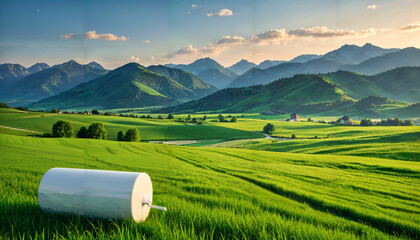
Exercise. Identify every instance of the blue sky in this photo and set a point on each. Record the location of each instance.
(153, 32)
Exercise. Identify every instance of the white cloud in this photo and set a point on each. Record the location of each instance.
(411, 27)
(187, 50)
(230, 40)
(372, 7)
(105, 36)
(370, 31)
(194, 6)
(134, 59)
(188, 12)
(146, 41)
(270, 36)
(94, 35)
(222, 13)
(68, 36)
(152, 58)
(321, 32)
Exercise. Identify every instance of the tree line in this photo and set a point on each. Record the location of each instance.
(94, 131)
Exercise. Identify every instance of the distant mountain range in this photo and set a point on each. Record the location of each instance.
(132, 85)
(304, 58)
(329, 94)
(348, 57)
(210, 71)
(269, 63)
(241, 66)
(11, 73)
(51, 81)
(38, 67)
(338, 82)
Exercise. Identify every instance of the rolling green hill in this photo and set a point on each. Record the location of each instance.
(331, 94)
(400, 84)
(51, 81)
(131, 86)
(149, 129)
(184, 78)
(284, 94)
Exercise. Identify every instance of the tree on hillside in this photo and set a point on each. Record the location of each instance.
(205, 118)
(132, 135)
(170, 116)
(97, 131)
(4, 105)
(366, 122)
(62, 129)
(234, 119)
(293, 136)
(269, 128)
(121, 136)
(221, 118)
(54, 110)
(408, 123)
(82, 133)
(22, 108)
(95, 112)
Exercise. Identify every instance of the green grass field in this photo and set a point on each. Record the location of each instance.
(218, 193)
(359, 183)
(150, 129)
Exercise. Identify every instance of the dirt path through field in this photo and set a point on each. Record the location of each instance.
(18, 129)
(47, 115)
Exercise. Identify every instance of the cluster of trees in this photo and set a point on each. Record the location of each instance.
(4, 105)
(395, 122)
(188, 119)
(65, 129)
(224, 119)
(132, 135)
(95, 131)
(387, 122)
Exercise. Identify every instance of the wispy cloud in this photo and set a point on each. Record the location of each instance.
(105, 36)
(272, 36)
(372, 7)
(321, 32)
(146, 41)
(222, 13)
(187, 50)
(411, 27)
(230, 40)
(194, 6)
(134, 59)
(269, 37)
(68, 36)
(94, 35)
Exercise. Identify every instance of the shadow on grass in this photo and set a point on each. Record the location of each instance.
(25, 219)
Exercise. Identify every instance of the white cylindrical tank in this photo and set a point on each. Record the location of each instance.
(96, 193)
